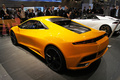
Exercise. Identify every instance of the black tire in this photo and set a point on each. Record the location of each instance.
(55, 59)
(13, 38)
(107, 29)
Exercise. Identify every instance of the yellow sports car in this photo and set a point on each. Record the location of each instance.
(63, 43)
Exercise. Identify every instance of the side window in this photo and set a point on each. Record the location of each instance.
(32, 24)
(25, 25)
(39, 25)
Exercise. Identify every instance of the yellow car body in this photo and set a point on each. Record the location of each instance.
(79, 50)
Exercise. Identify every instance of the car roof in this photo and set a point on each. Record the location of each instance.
(44, 17)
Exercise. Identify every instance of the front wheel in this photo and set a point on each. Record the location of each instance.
(13, 38)
(107, 29)
(55, 59)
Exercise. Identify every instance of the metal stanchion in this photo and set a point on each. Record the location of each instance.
(114, 29)
(113, 32)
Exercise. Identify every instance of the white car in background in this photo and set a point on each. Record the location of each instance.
(100, 22)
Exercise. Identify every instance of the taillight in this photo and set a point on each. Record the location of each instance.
(90, 41)
(85, 42)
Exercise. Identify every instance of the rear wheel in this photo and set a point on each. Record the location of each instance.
(13, 38)
(54, 58)
(107, 29)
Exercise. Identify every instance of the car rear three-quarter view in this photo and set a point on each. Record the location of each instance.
(63, 43)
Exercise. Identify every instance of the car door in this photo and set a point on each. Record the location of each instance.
(30, 33)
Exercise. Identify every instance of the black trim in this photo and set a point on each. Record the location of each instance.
(58, 19)
(91, 40)
(93, 56)
(90, 57)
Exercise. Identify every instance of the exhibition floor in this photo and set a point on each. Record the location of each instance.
(20, 63)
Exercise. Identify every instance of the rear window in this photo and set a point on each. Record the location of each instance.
(67, 23)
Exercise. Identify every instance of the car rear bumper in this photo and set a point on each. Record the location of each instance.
(84, 64)
(81, 56)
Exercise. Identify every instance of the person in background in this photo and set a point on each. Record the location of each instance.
(75, 12)
(40, 13)
(12, 14)
(66, 12)
(45, 9)
(48, 12)
(22, 13)
(71, 15)
(54, 12)
(89, 10)
(0, 15)
(101, 10)
(4, 15)
(36, 12)
(60, 11)
(17, 13)
(31, 13)
(117, 12)
(112, 11)
(84, 10)
(1, 26)
(94, 10)
(107, 11)
(97, 11)
(5, 12)
(79, 13)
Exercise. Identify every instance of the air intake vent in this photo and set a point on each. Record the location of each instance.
(90, 57)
